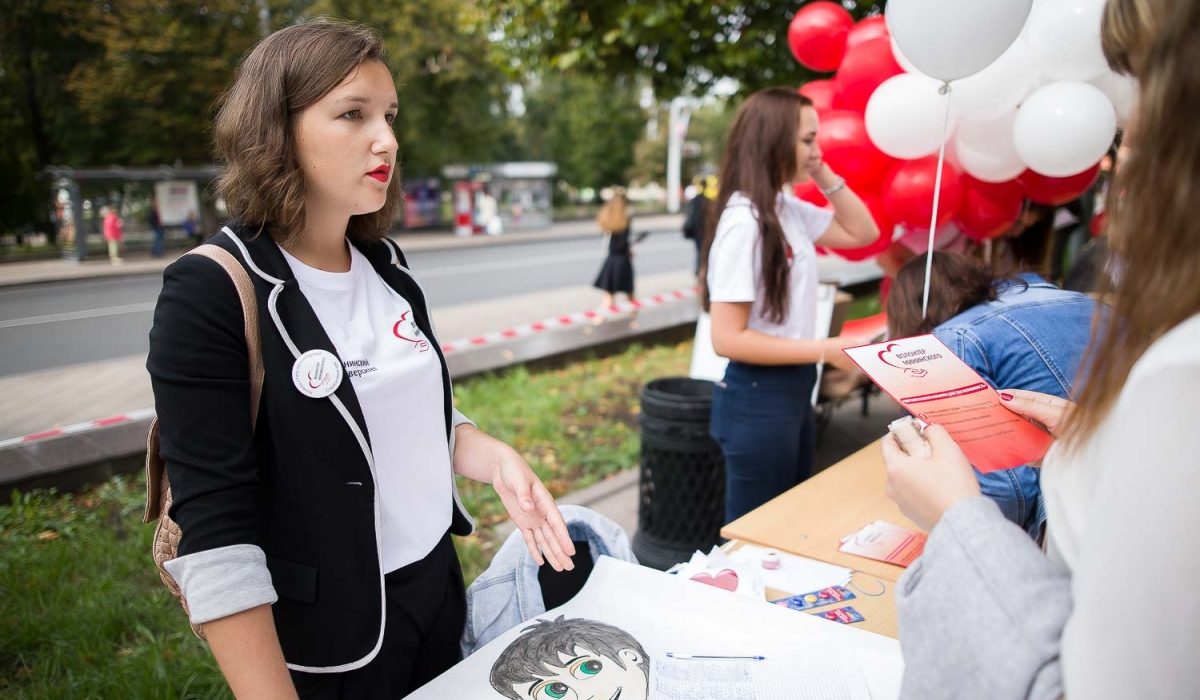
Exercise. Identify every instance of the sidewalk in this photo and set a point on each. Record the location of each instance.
(140, 263)
(62, 396)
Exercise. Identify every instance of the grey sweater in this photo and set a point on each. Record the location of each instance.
(982, 611)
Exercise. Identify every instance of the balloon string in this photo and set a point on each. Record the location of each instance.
(937, 193)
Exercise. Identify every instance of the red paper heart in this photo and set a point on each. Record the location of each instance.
(725, 578)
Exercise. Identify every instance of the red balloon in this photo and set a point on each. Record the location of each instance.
(1057, 190)
(866, 30)
(821, 94)
(817, 35)
(875, 204)
(908, 193)
(809, 192)
(865, 68)
(988, 208)
(843, 139)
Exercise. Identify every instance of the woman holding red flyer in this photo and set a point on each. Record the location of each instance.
(1109, 609)
(759, 277)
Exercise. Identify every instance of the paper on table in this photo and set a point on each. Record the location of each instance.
(885, 542)
(811, 673)
(795, 574)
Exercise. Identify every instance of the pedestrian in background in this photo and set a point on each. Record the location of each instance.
(616, 274)
(191, 227)
(114, 235)
(156, 249)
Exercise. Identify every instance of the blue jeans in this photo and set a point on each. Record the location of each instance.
(156, 249)
(762, 417)
(1018, 492)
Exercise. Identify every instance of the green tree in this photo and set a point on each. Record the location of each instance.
(587, 124)
(680, 45)
(453, 92)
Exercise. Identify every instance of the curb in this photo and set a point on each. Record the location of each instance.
(71, 456)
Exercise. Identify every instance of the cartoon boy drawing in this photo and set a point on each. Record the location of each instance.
(574, 659)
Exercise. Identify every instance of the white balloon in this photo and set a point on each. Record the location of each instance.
(901, 59)
(997, 89)
(951, 39)
(986, 149)
(906, 116)
(1064, 37)
(1063, 128)
(1122, 90)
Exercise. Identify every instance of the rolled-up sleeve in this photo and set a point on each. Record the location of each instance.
(198, 371)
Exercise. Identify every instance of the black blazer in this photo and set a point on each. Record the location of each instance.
(301, 486)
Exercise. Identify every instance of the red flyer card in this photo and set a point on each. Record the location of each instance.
(933, 384)
(883, 541)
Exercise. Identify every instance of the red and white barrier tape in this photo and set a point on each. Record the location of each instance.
(573, 319)
(81, 427)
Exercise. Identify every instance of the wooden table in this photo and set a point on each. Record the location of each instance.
(812, 518)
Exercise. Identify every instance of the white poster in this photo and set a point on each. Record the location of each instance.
(634, 633)
(175, 200)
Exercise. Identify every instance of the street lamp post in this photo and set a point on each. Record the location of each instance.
(679, 114)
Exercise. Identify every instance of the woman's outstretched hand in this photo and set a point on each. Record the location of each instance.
(533, 510)
(481, 457)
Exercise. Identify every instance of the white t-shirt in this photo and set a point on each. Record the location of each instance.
(397, 378)
(735, 263)
(1122, 517)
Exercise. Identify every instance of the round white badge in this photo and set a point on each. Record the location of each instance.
(317, 373)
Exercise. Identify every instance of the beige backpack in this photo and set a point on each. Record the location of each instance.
(158, 489)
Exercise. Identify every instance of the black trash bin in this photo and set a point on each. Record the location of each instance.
(682, 476)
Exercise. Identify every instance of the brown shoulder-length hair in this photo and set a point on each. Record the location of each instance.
(614, 215)
(956, 283)
(759, 159)
(1153, 231)
(261, 182)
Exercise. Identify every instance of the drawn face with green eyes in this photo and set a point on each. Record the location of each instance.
(590, 676)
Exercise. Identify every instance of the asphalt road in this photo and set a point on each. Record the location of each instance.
(59, 324)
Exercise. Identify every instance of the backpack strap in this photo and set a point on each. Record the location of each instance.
(155, 469)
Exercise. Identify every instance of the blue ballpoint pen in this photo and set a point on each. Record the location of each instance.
(713, 656)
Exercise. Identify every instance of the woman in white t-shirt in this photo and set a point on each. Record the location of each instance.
(760, 285)
(316, 549)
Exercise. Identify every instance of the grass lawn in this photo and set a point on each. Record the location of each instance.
(83, 613)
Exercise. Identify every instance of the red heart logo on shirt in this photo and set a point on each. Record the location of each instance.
(725, 578)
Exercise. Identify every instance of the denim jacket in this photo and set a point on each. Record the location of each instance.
(1029, 338)
(508, 593)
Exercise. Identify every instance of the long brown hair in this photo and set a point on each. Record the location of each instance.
(614, 215)
(1154, 233)
(956, 283)
(759, 159)
(262, 184)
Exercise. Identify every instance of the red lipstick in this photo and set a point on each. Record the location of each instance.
(380, 173)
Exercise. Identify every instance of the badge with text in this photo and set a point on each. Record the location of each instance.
(317, 373)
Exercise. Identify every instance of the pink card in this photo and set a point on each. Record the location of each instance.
(883, 541)
(933, 384)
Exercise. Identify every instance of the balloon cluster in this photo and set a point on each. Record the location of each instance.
(1018, 92)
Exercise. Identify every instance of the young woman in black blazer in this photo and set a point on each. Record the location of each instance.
(316, 546)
